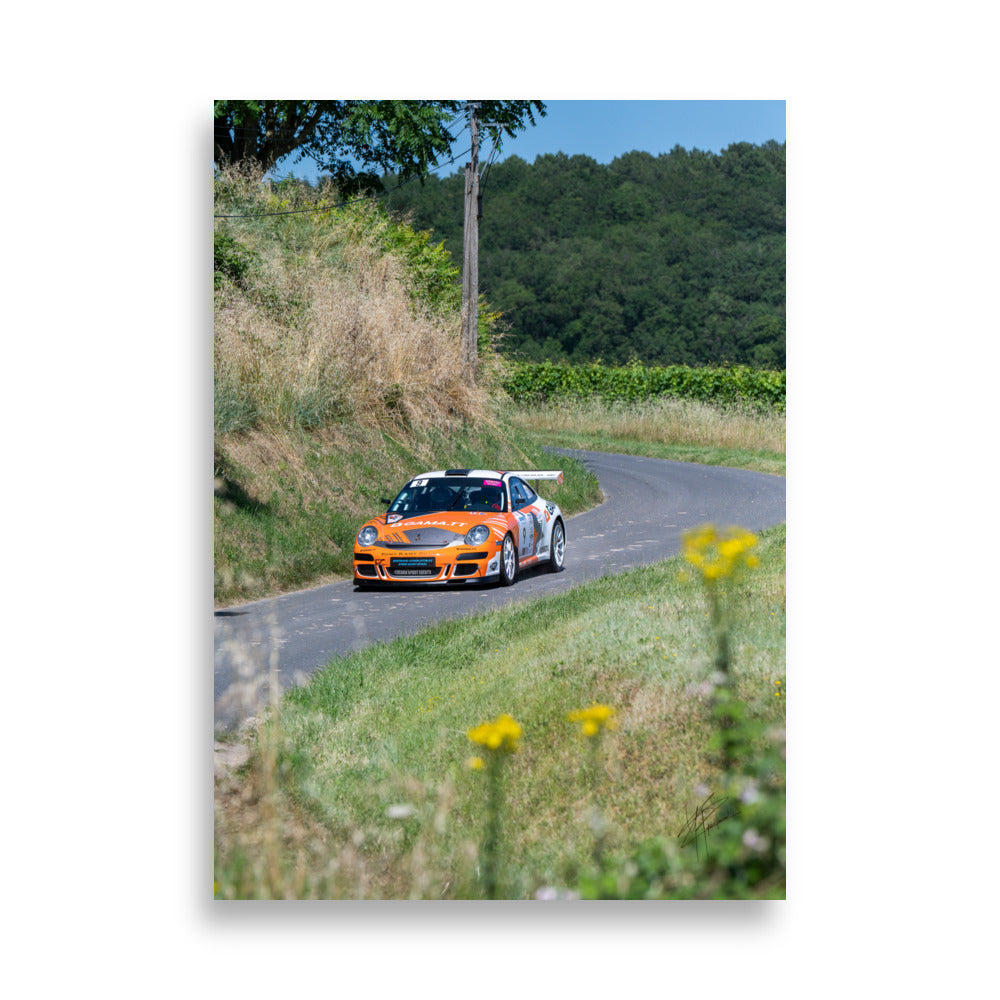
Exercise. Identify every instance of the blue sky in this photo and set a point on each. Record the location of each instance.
(606, 129)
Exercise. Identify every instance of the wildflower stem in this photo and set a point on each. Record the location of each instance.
(597, 817)
(491, 838)
(499, 738)
(722, 658)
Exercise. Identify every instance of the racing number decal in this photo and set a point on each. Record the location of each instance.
(525, 532)
(530, 532)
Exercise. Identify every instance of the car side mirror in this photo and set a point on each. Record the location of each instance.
(383, 500)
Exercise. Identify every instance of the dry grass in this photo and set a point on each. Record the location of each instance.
(662, 421)
(362, 347)
(327, 325)
(279, 468)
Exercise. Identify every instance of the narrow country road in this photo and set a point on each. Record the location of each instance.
(649, 502)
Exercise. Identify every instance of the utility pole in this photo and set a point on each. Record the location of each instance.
(470, 259)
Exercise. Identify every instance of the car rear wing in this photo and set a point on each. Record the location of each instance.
(549, 474)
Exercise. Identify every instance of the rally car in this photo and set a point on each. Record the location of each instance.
(460, 526)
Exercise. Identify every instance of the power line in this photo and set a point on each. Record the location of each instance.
(489, 163)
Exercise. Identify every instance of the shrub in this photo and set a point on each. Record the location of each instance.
(233, 260)
(738, 385)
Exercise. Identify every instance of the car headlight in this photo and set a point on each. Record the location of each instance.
(367, 536)
(477, 535)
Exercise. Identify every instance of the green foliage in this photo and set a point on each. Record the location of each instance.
(740, 827)
(675, 259)
(404, 136)
(434, 278)
(241, 264)
(634, 382)
(736, 849)
(234, 261)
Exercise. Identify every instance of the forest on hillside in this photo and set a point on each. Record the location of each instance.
(670, 259)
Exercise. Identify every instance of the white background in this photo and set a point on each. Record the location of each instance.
(892, 348)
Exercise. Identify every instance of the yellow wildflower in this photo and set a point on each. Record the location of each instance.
(501, 735)
(592, 720)
(718, 553)
(476, 763)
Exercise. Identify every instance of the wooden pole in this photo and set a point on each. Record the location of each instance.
(470, 260)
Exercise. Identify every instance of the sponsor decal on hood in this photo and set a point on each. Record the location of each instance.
(435, 523)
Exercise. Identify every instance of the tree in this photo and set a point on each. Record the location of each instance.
(356, 141)
(677, 258)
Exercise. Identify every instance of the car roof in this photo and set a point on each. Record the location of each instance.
(461, 474)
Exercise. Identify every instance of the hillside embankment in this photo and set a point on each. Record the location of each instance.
(337, 376)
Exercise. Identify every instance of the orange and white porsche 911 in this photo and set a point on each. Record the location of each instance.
(462, 526)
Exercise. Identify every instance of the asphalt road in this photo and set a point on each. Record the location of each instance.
(649, 503)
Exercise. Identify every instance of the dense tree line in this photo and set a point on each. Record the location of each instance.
(672, 259)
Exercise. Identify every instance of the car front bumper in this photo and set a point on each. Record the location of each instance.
(386, 566)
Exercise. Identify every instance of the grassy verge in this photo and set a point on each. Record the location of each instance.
(358, 787)
(288, 503)
(682, 430)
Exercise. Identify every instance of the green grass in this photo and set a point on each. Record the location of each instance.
(681, 430)
(736, 458)
(373, 798)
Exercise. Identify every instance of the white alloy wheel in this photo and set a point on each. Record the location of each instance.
(508, 561)
(558, 555)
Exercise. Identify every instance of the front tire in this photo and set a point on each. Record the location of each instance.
(557, 554)
(508, 562)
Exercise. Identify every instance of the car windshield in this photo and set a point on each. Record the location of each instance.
(425, 496)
